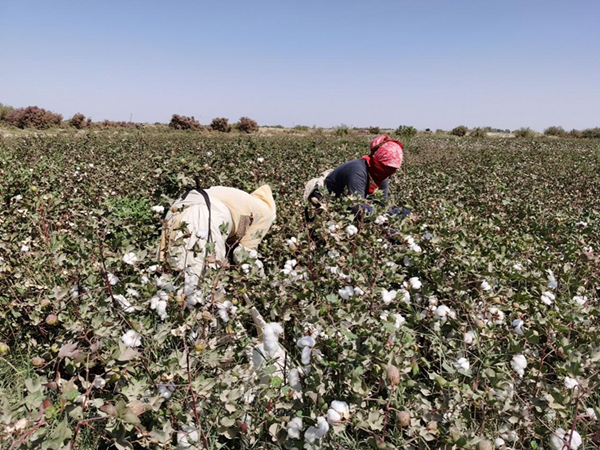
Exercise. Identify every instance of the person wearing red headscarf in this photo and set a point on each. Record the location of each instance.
(365, 175)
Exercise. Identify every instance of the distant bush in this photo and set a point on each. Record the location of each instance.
(374, 130)
(591, 133)
(525, 132)
(342, 130)
(574, 133)
(555, 131)
(406, 131)
(184, 123)
(460, 130)
(478, 132)
(4, 111)
(33, 117)
(78, 121)
(118, 124)
(301, 127)
(440, 131)
(221, 124)
(247, 125)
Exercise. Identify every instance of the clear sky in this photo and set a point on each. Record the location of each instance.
(431, 64)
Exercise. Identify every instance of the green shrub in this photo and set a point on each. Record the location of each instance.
(524, 133)
(374, 130)
(342, 130)
(221, 124)
(460, 130)
(478, 132)
(406, 131)
(4, 111)
(247, 125)
(555, 131)
(591, 133)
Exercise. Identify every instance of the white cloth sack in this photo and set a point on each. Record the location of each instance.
(315, 183)
(186, 250)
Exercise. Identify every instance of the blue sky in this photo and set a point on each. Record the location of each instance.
(431, 64)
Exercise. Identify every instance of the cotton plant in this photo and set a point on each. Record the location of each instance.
(132, 339)
(547, 298)
(351, 230)
(388, 296)
(346, 292)
(226, 310)
(307, 344)
(397, 319)
(159, 304)
(338, 412)
(294, 428)
(565, 440)
(519, 364)
(314, 433)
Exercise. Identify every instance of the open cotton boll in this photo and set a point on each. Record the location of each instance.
(358, 291)
(580, 299)
(166, 390)
(560, 439)
(24, 248)
(226, 309)
(132, 339)
(158, 209)
(519, 363)
(497, 316)
(341, 408)
(469, 337)
(548, 298)
(246, 268)
(333, 416)
(462, 364)
(124, 303)
(380, 220)
(130, 258)
(552, 284)
(485, 286)
(306, 341)
(306, 354)
(294, 380)
(294, 427)
(591, 414)
(571, 383)
(415, 283)
(346, 292)
(271, 332)
(351, 230)
(112, 279)
(518, 324)
(202, 234)
(388, 296)
(187, 437)
(442, 312)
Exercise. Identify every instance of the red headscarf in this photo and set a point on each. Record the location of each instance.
(385, 158)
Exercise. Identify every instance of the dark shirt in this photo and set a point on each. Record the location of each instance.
(353, 177)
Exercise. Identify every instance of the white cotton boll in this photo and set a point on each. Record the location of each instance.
(202, 234)
(416, 248)
(246, 268)
(560, 438)
(333, 228)
(132, 292)
(441, 312)
(351, 230)
(580, 299)
(518, 324)
(294, 380)
(518, 266)
(271, 332)
(485, 286)
(547, 298)
(112, 279)
(260, 159)
(415, 283)
(225, 309)
(388, 296)
(323, 427)
(99, 382)
(306, 354)
(152, 268)
(130, 258)
(358, 291)
(161, 309)
(346, 292)
(469, 337)
(124, 303)
(187, 437)
(591, 414)
(552, 284)
(462, 364)
(380, 220)
(341, 408)
(310, 435)
(399, 320)
(519, 363)
(158, 209)
(24, 248)
(144, 280)
(571, 383)
(166, 390)
(497, 316)
(306, 341)
(294, 427)
(132, 339)
(499, 442)
(333, 416)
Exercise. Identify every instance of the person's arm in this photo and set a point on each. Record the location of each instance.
(384, 188)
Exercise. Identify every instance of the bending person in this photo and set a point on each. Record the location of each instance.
(203, 223)
(361, 176)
